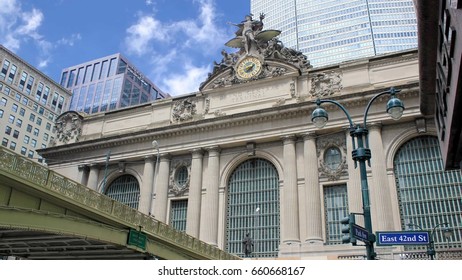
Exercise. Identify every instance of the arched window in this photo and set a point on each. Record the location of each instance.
(332, 158)
(253, 208)
(125, 189)
(428, 195)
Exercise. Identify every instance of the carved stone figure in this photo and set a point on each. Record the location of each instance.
(68, 128)
(183, 110)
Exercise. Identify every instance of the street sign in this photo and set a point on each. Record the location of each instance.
(137, 238)
(360, 233)
(389, 238)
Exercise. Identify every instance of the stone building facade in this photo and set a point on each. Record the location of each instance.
(241, 156)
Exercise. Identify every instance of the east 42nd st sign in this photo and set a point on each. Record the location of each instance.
(389, 238)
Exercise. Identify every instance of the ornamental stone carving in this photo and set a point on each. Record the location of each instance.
(68, 128)
(183, 110)
(179, 178)
(325, 84)
(337, 141)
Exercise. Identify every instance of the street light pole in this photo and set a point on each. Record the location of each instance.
(431, 242)
(361, 152)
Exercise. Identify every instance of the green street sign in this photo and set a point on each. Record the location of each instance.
(137, 238)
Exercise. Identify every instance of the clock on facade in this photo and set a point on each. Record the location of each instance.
(248, 68)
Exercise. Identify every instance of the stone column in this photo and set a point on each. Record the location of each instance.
(146, 190)
(379, 189)
(193, 214)
(290, 228)
(209, 217)
(93, 177)
(161, 188)
(83, 174)
(312, 190)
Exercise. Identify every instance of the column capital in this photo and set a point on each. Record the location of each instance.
(198, 152)
(214, 148)
(374, 126)
(82, 167)
(149, 158)
(165, 157)
(287, 139)
(309, 135)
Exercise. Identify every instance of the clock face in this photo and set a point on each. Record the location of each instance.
(248, 68)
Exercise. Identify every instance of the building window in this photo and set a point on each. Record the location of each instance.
(254, 185)
(18, 122)
(30, 83)
(33, 143)
(178, 214)
(427, 194)
(332, 158)
(30, 154)
(14, 107)
(36, 131)
(29, 128)
(23, 150)
(22, 112)
(22, 82)
(5, 142)
(26, 139)
(6, 65)
(32, 117)
(15, 134)
(12, 73)
(335, 208)
(7, 130)
(11, 119)
(1, 114)
(39, 121)
(126, 190)
(181, 177)
(13, 145)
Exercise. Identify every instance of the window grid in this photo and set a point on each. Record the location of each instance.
(335, 209)
(126, 190)
(178, 212)
(427, 194)
(254, 184)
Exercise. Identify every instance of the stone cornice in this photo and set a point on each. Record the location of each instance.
(287, 111)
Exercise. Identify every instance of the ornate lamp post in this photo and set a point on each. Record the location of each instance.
(447, 232)
(361, 152)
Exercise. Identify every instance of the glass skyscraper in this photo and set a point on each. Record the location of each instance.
(106, 84)
(330, 32)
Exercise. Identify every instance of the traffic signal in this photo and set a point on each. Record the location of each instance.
(347, 228)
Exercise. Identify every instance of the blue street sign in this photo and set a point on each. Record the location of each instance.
(389, 238)
(360, 233)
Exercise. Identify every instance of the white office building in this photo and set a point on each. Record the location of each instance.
(333, 31)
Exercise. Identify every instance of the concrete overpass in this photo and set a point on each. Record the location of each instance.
(44, 215)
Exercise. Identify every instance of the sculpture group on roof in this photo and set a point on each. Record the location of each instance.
(251, 39)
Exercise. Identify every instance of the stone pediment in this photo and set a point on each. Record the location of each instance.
(271, 68)
(261, 55)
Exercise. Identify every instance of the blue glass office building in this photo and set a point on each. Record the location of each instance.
(106, 84)
(330, 32)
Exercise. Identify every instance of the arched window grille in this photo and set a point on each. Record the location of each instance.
(125, 189)
(427, 194)
(332, 158)
(253, 207)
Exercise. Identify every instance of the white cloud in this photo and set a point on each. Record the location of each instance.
(143, 32)
(191, 40)
(186, 82)
(70, 41)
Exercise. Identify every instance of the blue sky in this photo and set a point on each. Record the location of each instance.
(173, 42)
